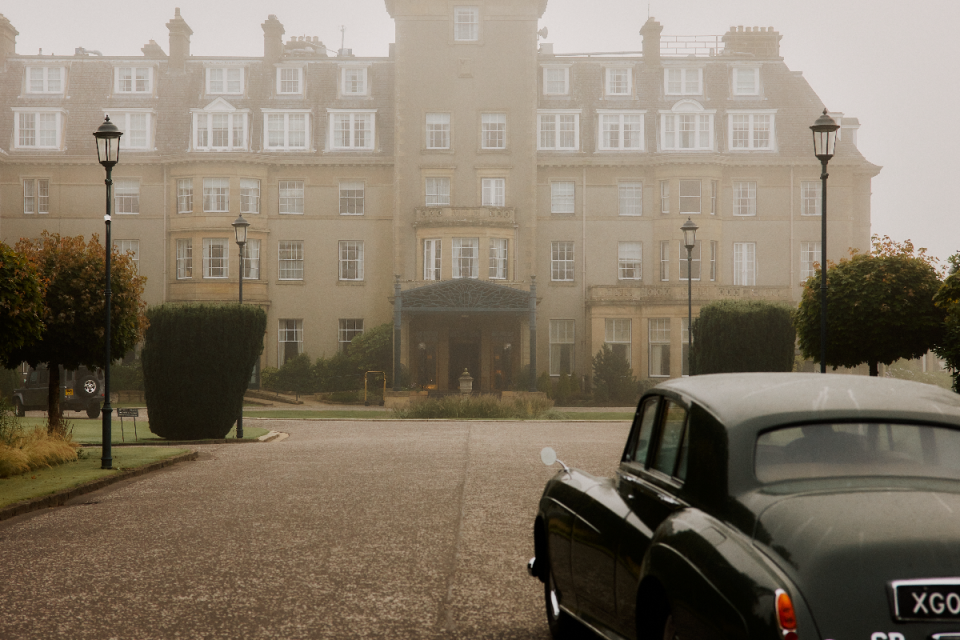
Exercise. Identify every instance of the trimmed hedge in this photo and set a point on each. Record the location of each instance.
(743, 335)
(197, 361)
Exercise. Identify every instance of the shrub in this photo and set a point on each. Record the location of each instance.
(297, 375)
(21, 452)
(269, 378)
(544, 385)
(343, 397)
(197, 361)
(10, 380)
(743, 335)
(476, 407)
(337, 373)
(126, 377)
(613, 379)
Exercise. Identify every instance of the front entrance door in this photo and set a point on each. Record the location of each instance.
(464, 354)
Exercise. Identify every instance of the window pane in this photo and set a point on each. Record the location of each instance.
(351, 198)
(437, 192)
(291, 196)
(291, 260)
(689, 196)
(249, 196)
(631, 198)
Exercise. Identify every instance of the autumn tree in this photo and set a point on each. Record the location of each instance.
(74, 307)
(880, 307)
(948, 300)
(21, 302)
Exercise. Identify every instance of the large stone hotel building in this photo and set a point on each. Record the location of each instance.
(472, 170)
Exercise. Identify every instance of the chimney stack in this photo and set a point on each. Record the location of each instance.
(272, 39)
(180, 34)
(650, 32)
(8, 39)
(756, 42)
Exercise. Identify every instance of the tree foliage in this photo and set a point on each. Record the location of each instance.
(197, 361)
(880, 307)
(947, 300)
(74, 307)
(21, 302)
(613, 379)
(743, 335)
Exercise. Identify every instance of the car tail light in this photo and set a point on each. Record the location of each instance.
(786, 617)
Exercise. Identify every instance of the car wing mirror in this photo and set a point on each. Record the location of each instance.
(548, 456)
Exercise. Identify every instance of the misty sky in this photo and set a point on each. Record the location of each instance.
(890, 64)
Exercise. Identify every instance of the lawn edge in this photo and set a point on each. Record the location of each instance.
(61, 497)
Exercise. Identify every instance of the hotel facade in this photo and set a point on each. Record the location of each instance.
(503, 202)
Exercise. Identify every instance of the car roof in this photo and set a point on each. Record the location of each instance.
(754, 401)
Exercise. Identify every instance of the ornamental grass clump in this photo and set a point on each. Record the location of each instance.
(22, 451)
(465, 407)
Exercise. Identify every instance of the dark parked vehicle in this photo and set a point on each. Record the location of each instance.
(766, 505)
(80, 390)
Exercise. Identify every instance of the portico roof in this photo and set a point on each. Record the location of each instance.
(465, 295)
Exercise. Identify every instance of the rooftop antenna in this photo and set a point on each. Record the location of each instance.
(343, 30)
(648, 11)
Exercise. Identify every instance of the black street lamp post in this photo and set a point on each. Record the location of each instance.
(689, 229)
(240, 230)
(108, 153)
(824, 145)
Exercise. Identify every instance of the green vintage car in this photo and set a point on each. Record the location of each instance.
(779, 506)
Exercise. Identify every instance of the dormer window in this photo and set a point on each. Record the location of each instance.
(353, 81)
(220, 127)
(556, 80)
(686, 127)
(746, 81)
(137, 128)
(37, 128)
(466, 24)
(225, 80)
(289, 81)
(45, 79)
(618, 82)
(683, 82)
(752, 130)
(133, 79)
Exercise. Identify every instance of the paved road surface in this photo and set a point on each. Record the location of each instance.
(343, 530)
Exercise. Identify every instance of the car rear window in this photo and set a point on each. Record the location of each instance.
(860, 449)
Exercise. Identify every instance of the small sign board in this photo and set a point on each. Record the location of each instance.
(128, 413)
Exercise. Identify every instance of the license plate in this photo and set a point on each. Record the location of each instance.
(933, 599)
(68, 392)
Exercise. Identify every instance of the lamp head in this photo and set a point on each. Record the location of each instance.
(240, 228)
(108, 143)
(689, 229)
(824, 136)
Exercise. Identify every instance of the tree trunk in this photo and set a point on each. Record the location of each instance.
(54, 420)
(874, 368)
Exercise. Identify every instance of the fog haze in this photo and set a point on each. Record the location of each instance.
(890, 64)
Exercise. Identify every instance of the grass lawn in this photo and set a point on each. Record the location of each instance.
(86, 431)
(333, 414)
(599, 414)
(347, 414)
(41, 482)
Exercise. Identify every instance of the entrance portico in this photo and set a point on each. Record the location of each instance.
(465, 324)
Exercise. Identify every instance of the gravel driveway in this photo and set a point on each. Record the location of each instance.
(372, 529)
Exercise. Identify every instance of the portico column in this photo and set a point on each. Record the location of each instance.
(533, 333)
(397, 303)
